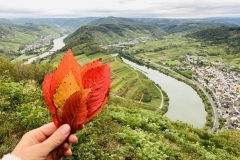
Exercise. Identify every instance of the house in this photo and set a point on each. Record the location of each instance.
(225, 116)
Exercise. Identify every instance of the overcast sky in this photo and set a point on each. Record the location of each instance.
(119, 8)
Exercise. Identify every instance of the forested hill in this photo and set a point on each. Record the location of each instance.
(184, 25)
(8, 28)
(14, 37)
(66, 23)
(5, 20)
(234, 20)
(229, 37)
(112, 30)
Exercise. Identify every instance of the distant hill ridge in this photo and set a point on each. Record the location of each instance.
(14, 37)
(111, 30)
(184, 25)
(227, 36)
(67, 23)
(235, 20)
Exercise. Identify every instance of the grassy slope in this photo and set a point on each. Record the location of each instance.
(123, 130)
(226, 37)
(67, 23)
(132, 133)
(111, 30)
(184, 25)
(12, 36)
(170, 49)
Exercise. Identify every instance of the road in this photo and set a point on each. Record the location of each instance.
(161, 105)
(214, 109)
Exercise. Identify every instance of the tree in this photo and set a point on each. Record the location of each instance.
(7, 66)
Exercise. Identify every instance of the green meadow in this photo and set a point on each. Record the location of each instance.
(24, 57)
(171, 49)
(13, 42)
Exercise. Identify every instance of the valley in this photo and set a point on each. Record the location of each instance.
(134, 123)
(195, 61)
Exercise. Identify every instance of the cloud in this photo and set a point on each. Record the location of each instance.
(119, 8)
(125, 1)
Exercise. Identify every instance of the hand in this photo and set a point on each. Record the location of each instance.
(45, 143)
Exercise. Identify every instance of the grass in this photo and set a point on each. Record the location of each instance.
(171, 48)
(9, 46)
(122, 130)
(12, 43)
(42, 49)
(25, 57)
(21, 38)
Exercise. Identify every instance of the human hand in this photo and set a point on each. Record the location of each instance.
(45, 143)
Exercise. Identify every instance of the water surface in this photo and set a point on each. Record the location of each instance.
(185, 104)
(57, 44)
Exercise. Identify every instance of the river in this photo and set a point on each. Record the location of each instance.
(57, 44)
(184, 105)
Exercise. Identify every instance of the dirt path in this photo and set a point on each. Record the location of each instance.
(161, 105)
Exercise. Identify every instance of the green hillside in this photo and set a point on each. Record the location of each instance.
(234, 20)
(227, 37)
(66, 23)
(111, 30)
(15, 36)
(184, 25)
(121, 131)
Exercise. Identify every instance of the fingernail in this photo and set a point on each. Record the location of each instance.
(65, 129)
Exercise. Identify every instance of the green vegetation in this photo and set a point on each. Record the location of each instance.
(121, 131)
(111, 30)
(183, 78)
(186, 73)
(22, 108)
(131, 125)
(184, 25)
(69, 24)
(19, 71)
(171, 49)
(127, 83)
(227, 37)
(14, 37)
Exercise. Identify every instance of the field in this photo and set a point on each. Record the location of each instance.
(127, 83)
(24, 57)
(12, 43)
(171, 49)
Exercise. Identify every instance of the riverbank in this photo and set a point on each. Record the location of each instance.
(57, 44)
(209, 123)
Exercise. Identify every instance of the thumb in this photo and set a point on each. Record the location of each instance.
(57, 138)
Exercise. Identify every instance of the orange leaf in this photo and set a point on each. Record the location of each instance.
(75, 110)
(75, 95)
(67, 64)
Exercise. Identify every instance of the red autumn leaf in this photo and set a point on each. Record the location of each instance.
(75, 95)
(98, 79)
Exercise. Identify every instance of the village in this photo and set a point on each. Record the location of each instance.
(41, 42)
(224, 84)
(129, 42)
